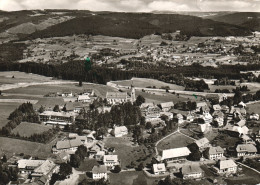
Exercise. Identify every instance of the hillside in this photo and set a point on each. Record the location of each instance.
(249, 20)
(136, 25)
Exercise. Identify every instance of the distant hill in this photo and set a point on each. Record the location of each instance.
(137, 25)
(250, 20)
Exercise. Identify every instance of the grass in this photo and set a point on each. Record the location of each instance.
(127, 152)
(145, 82)
(174, 141)
(133, 178)
(87, 165)
(254, 108)
(27, 129)
(6, 109)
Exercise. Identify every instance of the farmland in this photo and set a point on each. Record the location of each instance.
(6, 109)
(27, 129)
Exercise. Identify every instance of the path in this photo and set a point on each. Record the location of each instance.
(249, 167)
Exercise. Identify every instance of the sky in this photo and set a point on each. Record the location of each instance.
(134, 5)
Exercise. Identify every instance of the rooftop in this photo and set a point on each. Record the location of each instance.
(175, 152)
(227, 164)
(188, 169)
(99, 169)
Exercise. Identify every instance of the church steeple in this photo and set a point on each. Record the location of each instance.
(132, 93)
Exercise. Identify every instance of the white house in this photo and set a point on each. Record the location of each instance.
(226, 167)
(166, 106)
(119, 131)
(245, 150)
(192, 172)
(254, 117)
(214, 153)
(202, 143)
(159, 169)
(110, 160)
(99, 172)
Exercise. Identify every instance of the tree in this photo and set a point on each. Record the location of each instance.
(64, 109)
(148, 125)
(117, 169)
(141, 166)
(65, 170)
(82, 152)
(0, 93)
(80, 83)
(4, 159)
(56, 108)
(75, 160)
(139, 100)
(41, 109)
(195, 156)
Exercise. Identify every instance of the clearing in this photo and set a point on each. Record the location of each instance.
(27, 129)
(5, 111)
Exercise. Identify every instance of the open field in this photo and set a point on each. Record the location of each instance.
(145, 82)
(9, 146)
(127, 152)
(27, 129)
(253, 108)
(5, 110)
(174, 141)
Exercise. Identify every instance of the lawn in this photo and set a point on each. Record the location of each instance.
(131, 178)
(127, 152)
(224, 140)
(27, 129)
(253, 108)
(174, 141)
(145, 82)
(9, 146)
(5, 110)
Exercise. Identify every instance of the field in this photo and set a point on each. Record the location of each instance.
(6, 109)
(127, 152)
(254, 108)
(27, 129)
(145, 82)
(9, 146)
(174, 141)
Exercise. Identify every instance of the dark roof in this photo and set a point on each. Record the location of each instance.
(99, 169)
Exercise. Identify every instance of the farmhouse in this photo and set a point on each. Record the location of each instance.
(226, 167)
(236, 130)
(214, 153)
(175, 154)
(110, 160)
(84, 98)
(245, 150)
(119, 131)
(99, 172)
(46, 168)
(247, 140)
(67, 146)
(28, 165)
(192, 172)
(159, 169)
(202, 143)
(153, 112)
(179, 118)
(166, 106)
(254, 117)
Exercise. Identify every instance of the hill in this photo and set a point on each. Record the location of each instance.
(250, 20)
(137, 25)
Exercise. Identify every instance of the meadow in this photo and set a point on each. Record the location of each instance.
(26, 129)
(5, 110)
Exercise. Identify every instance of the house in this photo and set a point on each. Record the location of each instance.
(166, 106)
(192, 172)
(257, 136)
(254, 117)
(214, 153)
(204, 128)
(190, 117)
(207, 118)
(67, 146)
(28, 165)
(84, 98)
(110, 160)
(241, 123)
(242, 104)
(116, 97)
(175, 154)
(245, 150)
(247, 140)
(99, 172)
(99, 155)
(216, 107)
(225, 167)
(46, 168)
(67, 94)
(74, 107)
(202, 143)
(225, 108)
(153, 112)
(202, 107)
(236, 131)
(119, 131)
(159, 169)
(89, 92)
(168, 114)
(179, 118)
(146, 105)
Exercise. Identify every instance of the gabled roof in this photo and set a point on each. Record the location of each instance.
(167, 105)
(215, 150)
(246, 148)
(175, 152)
(227, 164)
(189, 169)
(45, 168)
(145, 105)
(116, 95)
(110, 158)
(23, 163)
(241, 123)
(68, 144)
(159, 167)
(119, 130)
(216, 107)
(202, 142)
(202, 104)
(99, 169)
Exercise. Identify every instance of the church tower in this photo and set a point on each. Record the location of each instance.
(132, 93)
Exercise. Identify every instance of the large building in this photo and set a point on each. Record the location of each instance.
(226, 167)
(159, 169)
(67, 146)
(120, 97)
(245, 150)
(175, 154)
(110, 160)
(214, 153)
(57, 118)
(192, 172)
(119, 131)
(99, 172)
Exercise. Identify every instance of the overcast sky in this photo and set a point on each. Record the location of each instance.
(134, 5)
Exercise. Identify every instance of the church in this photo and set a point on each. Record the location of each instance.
(120, 97)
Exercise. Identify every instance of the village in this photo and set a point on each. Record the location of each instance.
(210, 139)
